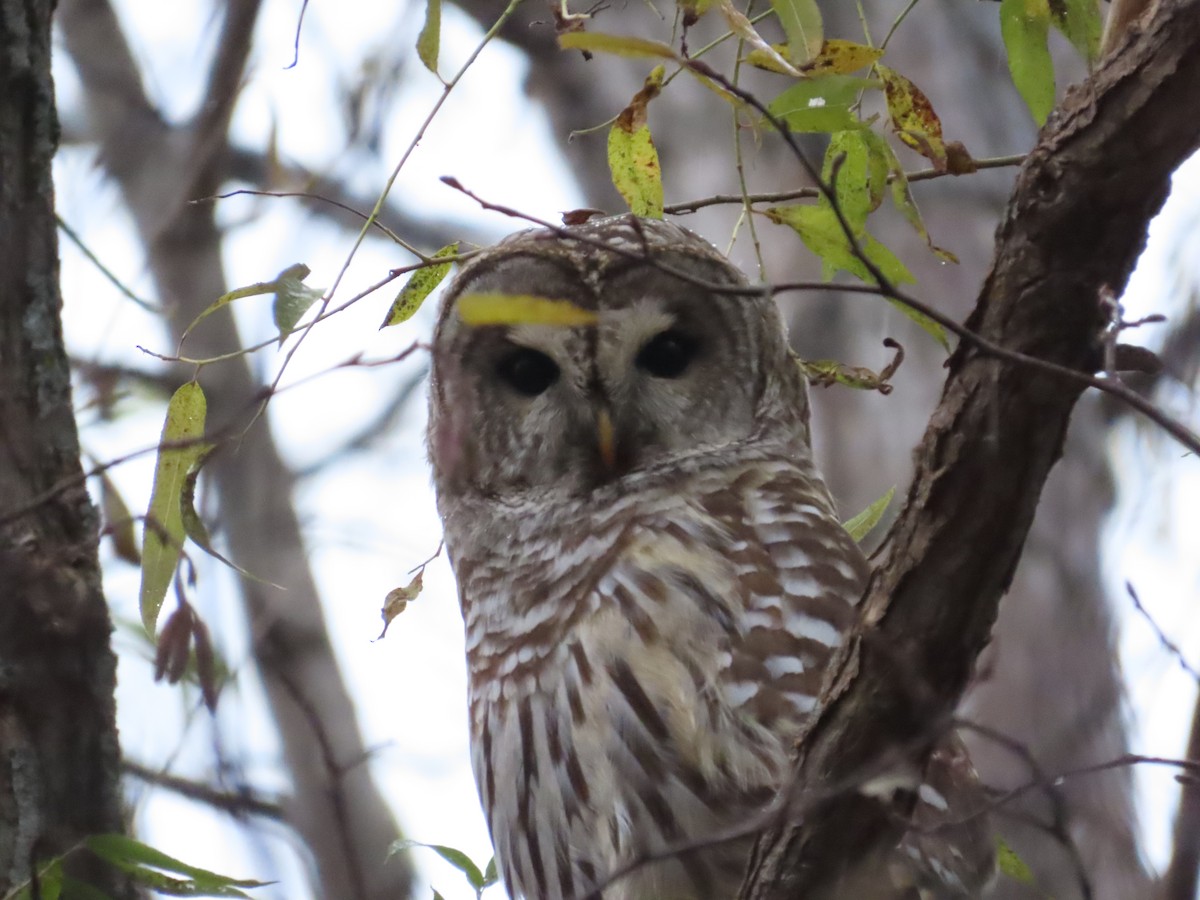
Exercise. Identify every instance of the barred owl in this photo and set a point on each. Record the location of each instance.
(652, 574)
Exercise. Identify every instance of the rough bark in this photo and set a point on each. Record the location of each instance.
(1075, 224)
(334, 804)
(59, 759)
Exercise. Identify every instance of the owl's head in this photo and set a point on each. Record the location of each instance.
(672, 367)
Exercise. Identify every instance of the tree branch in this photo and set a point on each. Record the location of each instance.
(1183, 873)
(1075, 223)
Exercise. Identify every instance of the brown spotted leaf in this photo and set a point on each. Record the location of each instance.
(632, 156)
(913, 117)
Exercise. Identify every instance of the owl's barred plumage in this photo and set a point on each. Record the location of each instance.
(652, 573)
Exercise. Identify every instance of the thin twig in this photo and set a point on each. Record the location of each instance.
(805, 193)
(236, 803)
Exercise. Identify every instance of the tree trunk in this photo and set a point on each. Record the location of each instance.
(334, 805)
(59, 759)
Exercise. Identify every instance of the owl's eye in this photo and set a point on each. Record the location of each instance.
(527, 371)
(667, 354)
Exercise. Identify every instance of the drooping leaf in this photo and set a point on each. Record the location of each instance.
(883, 157)
(141, 861)
(821, 232)
(860, 526)
(419, 286)
(193, 525)
(118, 521)
(821, 104)
(250, 290)
(162, 541)
(1081, 23)
(740, 24)
(1025, 27)
(292, 298)
(1010, 864)
(455, 857)
(801, 21)
(632, 157)
(397, 600)
(828, 372)
(621, 45)
(858, 189)
(521, 309)
(913, 117)
(430, 38)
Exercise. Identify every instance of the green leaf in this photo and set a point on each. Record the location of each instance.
(162, 540)
(1010, 864)
(50, 881)
(822, 103)
(801, 21)
(430, 37)
(292, 298)
(1081, 23)
(859, 186)
(490, 875)
(419, 286)
(614, 43)
(883, 158)
(456, 858)
(1025, 27)
(193, 525)
(141, 861)
(860, 526)
(250, 290)
(521, 309)
(821, 232)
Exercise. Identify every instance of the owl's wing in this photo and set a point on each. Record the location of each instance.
(798, 576)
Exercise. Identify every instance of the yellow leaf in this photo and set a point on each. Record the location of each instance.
(913, 117)
(632, 157)
(430, 37)
(521, 309)
(419, 286)
(615, 43)
(838, 57)
(163, 538)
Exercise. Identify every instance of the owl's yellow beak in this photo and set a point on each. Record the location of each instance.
(605, 439)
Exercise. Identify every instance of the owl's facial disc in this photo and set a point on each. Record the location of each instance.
(669, 369)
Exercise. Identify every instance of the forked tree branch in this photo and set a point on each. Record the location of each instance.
(1075, 224)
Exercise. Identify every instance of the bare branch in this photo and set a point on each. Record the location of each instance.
(1183, 872)
(238, 803)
